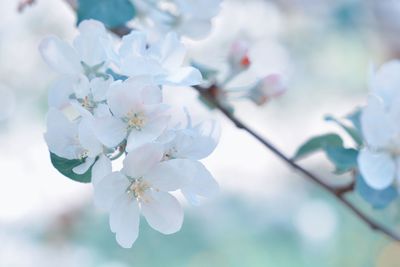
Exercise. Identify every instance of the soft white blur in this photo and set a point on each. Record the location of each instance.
(325, 76)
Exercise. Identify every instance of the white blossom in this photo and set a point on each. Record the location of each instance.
(379, 161)
(94, 119)
(193, 144)
(72, 139)
(137, 114)
(142, 186)
(88, 54)
(162, 61)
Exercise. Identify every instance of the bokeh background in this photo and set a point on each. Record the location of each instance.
(266, 214)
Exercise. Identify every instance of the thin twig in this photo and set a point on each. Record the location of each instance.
(339, 193)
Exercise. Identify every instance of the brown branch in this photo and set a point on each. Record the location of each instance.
(339, 193)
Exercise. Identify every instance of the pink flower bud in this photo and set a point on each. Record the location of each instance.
(271, 86)
(238, 55)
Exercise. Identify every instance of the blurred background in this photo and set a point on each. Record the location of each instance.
(266, 214)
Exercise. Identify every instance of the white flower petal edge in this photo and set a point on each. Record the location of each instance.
(378, 169)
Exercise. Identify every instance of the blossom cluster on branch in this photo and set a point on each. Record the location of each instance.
(108, 103)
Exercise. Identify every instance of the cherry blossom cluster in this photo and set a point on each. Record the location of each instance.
(107, 103)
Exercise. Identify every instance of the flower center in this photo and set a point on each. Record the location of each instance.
(138, 188)
(83, 154)
(87, 103)
(136, 121)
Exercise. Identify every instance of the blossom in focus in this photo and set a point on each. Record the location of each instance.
(88, 54)
(137, 114)
(379, 160)
(72, 139)
(162, 61)
(142, 187)
(271, 86)
(95, 119)
(194, 144)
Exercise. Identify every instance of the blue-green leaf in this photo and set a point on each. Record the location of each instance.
(353, 132)
(116, 76)
(65, 166)
(112, 13)
(355, 119)
(379, 199)
(344, 159)
(318, 143)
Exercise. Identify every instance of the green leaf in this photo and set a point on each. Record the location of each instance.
(65, 166)
(318, 143)
(344, 159)
(353, 132)
(112, 13)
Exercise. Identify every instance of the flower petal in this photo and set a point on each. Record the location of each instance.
(172, 52)
(377, 127)
(170, 175)
(378, 169)
(141, 160)
(124, 97)
(87, 138)
(60, 56)
(109, 130)
(92, 42)
(185, 76)
(59, 93)
(202, 183)
(163, 212)
(386, 81)
(61, 134)
(99, 88)
(149, 133)
(124, 220)
(110, 188)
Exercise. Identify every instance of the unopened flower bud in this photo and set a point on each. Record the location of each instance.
(238, 57)
(271, 86)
